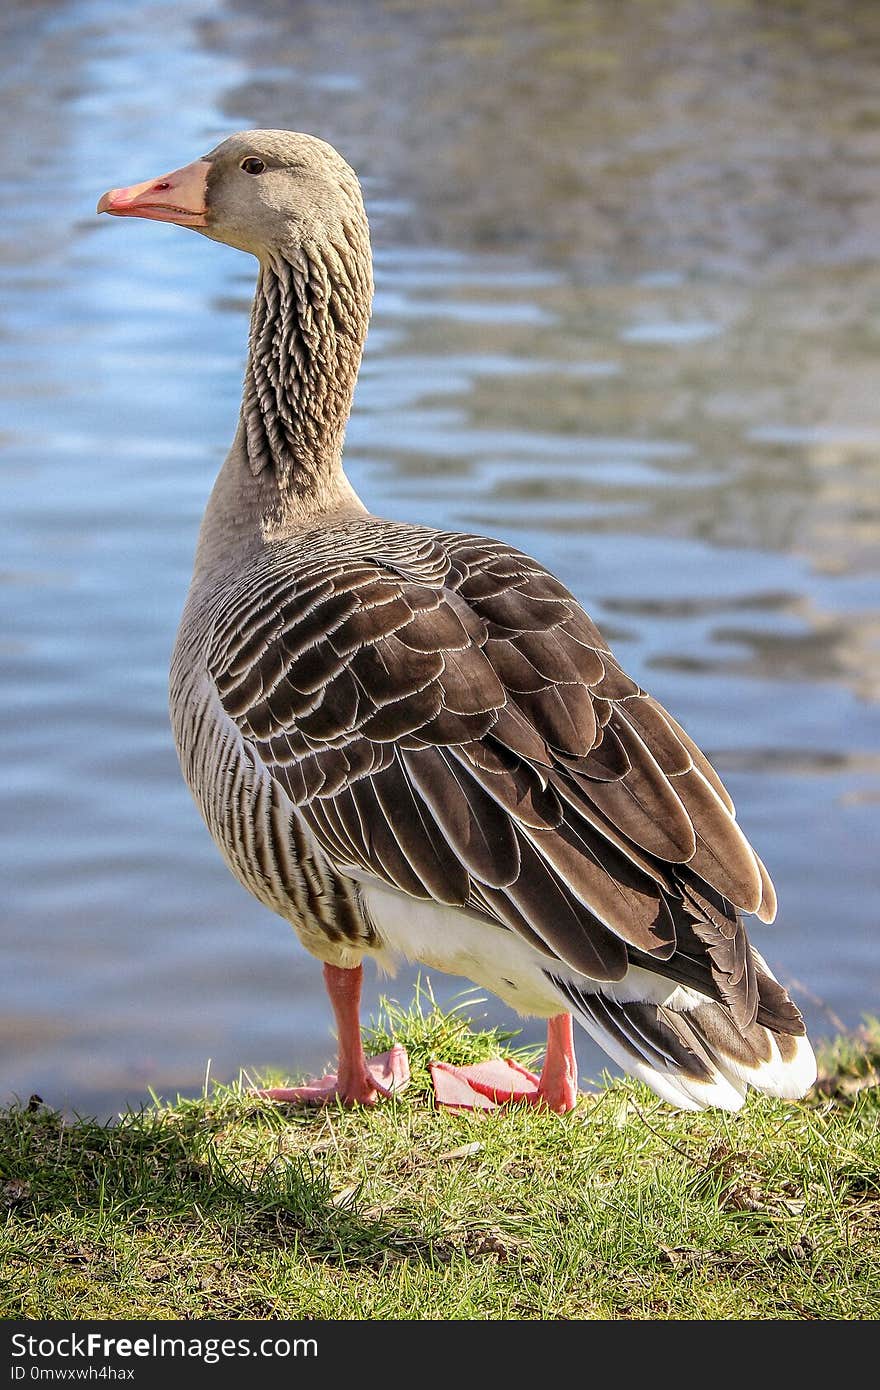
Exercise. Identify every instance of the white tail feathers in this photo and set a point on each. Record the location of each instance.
(694, 1057)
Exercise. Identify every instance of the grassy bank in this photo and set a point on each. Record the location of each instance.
(228, 1207)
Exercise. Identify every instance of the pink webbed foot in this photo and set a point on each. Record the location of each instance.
(483, 1085)
(384, 1075)
(486, 1085)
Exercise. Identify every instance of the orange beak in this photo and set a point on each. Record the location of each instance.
(177, 197)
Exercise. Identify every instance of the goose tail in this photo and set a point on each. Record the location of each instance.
(692, 1053)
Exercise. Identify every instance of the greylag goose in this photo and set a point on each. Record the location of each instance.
(414, 743)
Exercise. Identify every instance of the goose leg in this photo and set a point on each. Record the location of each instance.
(358, 1080)
(486, 1085)
(558, 1088)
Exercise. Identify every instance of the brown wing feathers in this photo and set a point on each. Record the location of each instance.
(448, 719)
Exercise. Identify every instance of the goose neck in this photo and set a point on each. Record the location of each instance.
(308, 325)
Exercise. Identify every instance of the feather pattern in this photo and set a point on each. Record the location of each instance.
(438, 715)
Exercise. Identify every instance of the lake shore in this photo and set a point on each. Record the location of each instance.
(226, 1207)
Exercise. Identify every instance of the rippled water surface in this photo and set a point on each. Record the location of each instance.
(627, 316)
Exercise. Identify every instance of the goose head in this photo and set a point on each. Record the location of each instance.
(262, 191)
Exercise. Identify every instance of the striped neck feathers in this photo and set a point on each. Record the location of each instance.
(308, 325)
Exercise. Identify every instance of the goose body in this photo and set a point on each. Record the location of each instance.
(415, 744)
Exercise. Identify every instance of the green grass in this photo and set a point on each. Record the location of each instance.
(226, 1206)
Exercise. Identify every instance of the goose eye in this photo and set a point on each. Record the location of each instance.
(252, 165)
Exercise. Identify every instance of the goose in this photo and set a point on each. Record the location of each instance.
(414, 744)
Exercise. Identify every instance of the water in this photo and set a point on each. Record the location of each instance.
(628, 317)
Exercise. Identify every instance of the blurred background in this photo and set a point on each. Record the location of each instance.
(627, 317)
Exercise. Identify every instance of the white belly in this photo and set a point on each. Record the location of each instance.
(445, 938)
